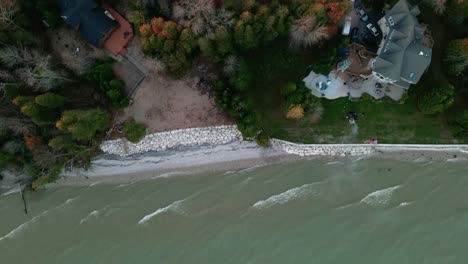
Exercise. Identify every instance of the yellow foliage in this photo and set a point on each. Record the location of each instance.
(295, 112)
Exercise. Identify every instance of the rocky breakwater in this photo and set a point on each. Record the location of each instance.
(341, 150)
(174, 139)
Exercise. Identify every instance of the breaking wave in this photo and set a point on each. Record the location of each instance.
(87, 218)
(251, 168)
(403, 204)
(380, 197)
(175, 206)
(12, 191)
(289, 195)
(24, 225)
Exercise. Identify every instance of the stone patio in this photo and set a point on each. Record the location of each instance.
(341, 84)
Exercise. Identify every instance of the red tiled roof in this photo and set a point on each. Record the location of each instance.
(121, 36)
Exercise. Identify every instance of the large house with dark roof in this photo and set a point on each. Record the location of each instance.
(405, 51)
(101, 26)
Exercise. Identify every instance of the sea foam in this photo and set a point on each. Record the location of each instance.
(12, 191)
(289, 195)
(20, 228)
(87, 218)
(380, 197)
(24, 225)
(172, 207)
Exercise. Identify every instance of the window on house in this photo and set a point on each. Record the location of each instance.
(412, 75)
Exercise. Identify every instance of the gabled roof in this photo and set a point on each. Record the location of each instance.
(402, 48)
(88, 18)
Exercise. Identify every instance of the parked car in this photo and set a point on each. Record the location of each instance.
(354, 34)
(347, 26)
(372, 29)
(362, 14)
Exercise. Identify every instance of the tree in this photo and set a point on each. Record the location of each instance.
(63, 142)
(134, 131)
(295, 112)
(8, 10)
(307, 31)
(201, 16)
(458, 122)
(51, 100)
(113, 88)
(206, 48)
(436, 100)
(457, 56)
(83, 124)
(223, 41)
(33, 68)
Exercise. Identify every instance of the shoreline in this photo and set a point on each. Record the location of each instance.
(239, 155)
(233, 156)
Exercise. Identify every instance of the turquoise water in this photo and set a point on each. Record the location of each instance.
(366, 211)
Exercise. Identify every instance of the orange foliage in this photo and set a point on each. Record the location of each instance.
(33, 142)
(145, 30)
(157, 24)
(334, 12)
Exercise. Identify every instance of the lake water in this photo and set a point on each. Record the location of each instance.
(364, 211)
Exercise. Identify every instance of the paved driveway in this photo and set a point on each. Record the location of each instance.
(372, 44)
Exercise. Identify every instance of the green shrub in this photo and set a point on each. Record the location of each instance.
(114, 89)
(262, 139)
(134, 131)
(436, 100)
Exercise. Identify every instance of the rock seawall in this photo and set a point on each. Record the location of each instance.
(219, 135)
(172, 139)
(341, 150)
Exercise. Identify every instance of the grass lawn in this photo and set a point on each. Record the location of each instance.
(389, 122)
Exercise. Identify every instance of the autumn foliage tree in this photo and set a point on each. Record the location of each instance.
(175, 46)
(258, 25)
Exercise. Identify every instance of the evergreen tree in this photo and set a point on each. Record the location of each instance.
(51, 100)
(83, 124)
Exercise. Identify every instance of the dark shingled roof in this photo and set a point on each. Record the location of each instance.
(88, 18)
(403, 58)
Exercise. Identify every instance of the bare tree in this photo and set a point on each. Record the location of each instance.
(78, 64)
(439, 6)
(34, 68)
(306, 32)
(8, 10)
(230, 65)
(14, 56)
(202, 16)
